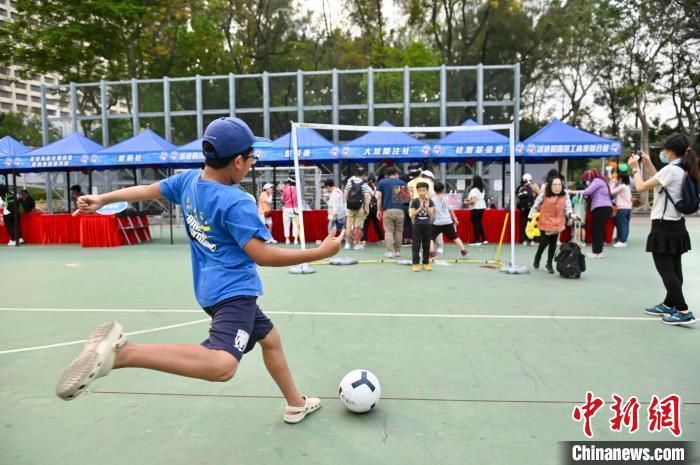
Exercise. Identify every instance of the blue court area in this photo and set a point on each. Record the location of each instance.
(476, 366)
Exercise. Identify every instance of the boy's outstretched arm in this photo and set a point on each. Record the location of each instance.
(92, 203)
(264, 255)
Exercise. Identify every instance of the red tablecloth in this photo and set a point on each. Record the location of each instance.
(64, 228)
(316, 225)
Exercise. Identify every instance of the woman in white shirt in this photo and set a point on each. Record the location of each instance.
(669, 238)
(477, 204)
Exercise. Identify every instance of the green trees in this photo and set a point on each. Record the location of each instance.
(603, 64)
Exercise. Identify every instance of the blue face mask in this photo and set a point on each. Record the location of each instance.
(662, 157)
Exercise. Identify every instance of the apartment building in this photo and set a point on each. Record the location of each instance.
(24, 95)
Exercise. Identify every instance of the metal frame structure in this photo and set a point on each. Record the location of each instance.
(234, 82)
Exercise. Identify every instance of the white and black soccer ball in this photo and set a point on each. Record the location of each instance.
(359, 390)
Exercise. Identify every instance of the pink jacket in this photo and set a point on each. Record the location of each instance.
(289, 197)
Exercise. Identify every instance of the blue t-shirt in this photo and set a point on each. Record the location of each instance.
(220, 220)
(391, 193)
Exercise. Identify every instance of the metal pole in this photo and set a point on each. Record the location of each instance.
(300, 96)
(135, 123)
(255, 189)
(45, 141)
(15, 210)
(90, 182)
(73, 107)
(274, 190)
(200, 115)
(136, 183)
(370, 104)
(170, 211)
(503, 183)
(266, 103)
(337, 168)
(68, 191)
(511, 141)
(516, 102)
(103, 113)
(406, 96)
(166, 105)
(231, 95)
(335, 114)
(480, 107)
(300, 200)
(443, 118)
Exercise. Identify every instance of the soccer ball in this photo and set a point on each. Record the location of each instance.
(359, 390)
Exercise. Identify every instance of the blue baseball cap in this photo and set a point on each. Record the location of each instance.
(229, 137)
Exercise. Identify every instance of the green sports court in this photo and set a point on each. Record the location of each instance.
(476, 366)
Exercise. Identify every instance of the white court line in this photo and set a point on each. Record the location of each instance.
(70, 343)
(342, 314)
(350, 314)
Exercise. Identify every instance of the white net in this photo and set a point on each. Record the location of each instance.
(386, 142)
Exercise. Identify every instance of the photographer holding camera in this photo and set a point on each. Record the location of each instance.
(668, 238)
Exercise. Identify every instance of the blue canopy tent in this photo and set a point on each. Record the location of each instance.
(559, 140)
(144, 149)
(480, 145)
(71, 152)
(313, 148)
(10, 148)
(188, 156)
(378, 146)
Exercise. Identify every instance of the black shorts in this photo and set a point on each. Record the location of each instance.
(236, 325)
(447, 229)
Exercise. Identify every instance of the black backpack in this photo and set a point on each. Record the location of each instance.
(690, 196)
(355, 196)
(570, 261)
(526, 197)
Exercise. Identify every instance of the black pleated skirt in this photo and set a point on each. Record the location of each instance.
(668, 237)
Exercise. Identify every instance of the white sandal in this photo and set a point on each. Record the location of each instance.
(96, 360)
(296, 414)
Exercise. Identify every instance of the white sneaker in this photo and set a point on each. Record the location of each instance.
(388, 254)
(440, 250)
(21, 241)
(96, 360)
(485, 242)
(620, 244)
(397, 254)
(287, 241)
(595, 255)
(359, 247)
(296, 241)
(12, 243)
(475, 244)
(347, 246)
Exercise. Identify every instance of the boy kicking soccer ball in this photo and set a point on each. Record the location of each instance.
(227, 240)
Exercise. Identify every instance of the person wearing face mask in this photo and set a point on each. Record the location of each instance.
(554, 209)
(668, 239)
(598, 191)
